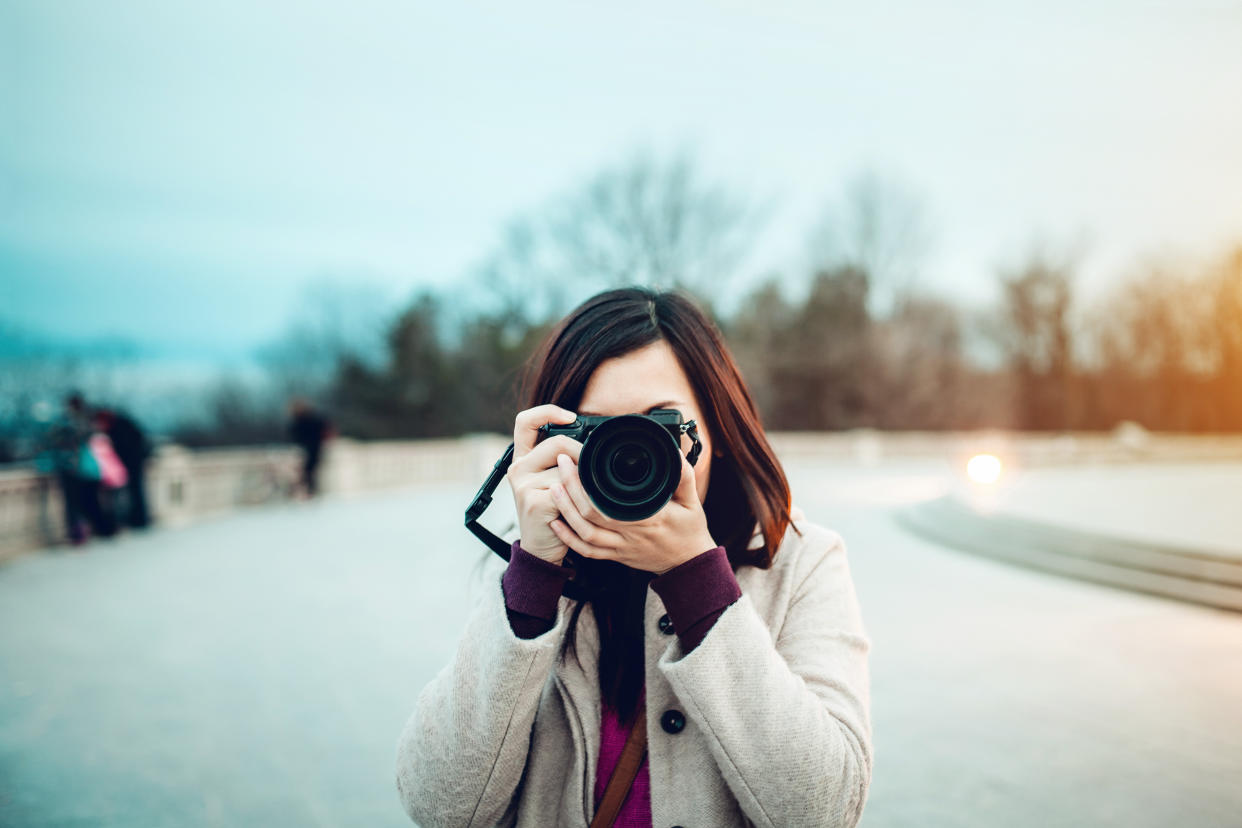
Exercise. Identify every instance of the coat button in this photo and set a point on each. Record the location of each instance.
(666, 625)
(672, 721)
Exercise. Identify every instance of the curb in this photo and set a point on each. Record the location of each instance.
(1196, 576)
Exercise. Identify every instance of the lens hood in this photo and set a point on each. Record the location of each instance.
(630, 466)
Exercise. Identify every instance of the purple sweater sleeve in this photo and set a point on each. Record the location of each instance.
(532, 588)
(696, 593)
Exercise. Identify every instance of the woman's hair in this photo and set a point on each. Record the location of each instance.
(747, 484)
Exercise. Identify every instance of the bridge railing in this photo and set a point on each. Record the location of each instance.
(184, 485)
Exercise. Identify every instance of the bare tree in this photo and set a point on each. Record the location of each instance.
(335, 318)
(812, 364)
(1225, 289)
(1168, 346)
(1032, 325)
(919, 348)
(878, 227)
(756, 335)
(647, 220)
(524, 279)
(655, 221)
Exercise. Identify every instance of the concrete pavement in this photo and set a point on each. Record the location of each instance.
(1194, 505)
(1169, 530)
(255, 670)
(1007, 697)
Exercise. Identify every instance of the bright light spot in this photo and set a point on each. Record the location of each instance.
(984, 468)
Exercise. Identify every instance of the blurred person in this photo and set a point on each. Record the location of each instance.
(720, 677)
(308, 429)
(66, 453)
(133, 449)
(106, 476)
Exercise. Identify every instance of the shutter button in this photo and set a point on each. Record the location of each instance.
(673, 721)
(666, 625)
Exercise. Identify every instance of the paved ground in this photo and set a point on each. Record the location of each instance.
(1196, 505)
(255, 671)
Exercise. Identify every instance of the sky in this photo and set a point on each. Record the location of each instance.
(176, 175)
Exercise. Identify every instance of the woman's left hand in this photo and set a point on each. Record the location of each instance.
(671, 536)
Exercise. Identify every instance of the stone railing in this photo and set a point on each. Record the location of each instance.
(185, 485)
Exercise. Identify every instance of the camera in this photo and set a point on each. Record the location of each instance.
(630, 464)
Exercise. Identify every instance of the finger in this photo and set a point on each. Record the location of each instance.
(592, 533)
(565, 533)
(540, 481)
(687, 491)
(577, 494)
(543, 456)
(526, 425)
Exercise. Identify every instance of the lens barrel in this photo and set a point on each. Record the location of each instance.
(630, 466)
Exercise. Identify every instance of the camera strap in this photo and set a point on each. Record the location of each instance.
(483, 499)
(691, 429)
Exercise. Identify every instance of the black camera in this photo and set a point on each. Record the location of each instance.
(630, 465)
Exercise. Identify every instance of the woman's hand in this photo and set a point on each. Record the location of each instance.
(532, 475)
(671, 536)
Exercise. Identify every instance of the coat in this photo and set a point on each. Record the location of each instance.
(775, 702)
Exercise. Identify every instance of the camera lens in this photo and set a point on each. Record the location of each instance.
(630, 466)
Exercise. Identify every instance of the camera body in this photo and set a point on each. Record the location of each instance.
(630, 464)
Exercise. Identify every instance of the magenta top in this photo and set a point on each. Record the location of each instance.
(636, 810)
(695, 593)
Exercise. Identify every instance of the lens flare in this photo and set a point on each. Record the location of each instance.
(984, 468)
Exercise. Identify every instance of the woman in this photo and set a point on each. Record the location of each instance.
(726, 616)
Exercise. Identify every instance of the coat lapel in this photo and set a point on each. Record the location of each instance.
(577, 679)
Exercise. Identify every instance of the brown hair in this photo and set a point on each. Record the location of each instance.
(747, 485)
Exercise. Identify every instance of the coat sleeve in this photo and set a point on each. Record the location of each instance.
(788, 723)
(462, 752)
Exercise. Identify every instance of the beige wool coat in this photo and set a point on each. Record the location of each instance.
(776, 700)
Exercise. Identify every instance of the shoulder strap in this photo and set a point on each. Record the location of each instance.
(623, 775)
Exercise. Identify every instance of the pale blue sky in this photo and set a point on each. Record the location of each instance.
(177, 173)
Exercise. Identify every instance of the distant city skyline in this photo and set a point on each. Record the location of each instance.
(176, 177)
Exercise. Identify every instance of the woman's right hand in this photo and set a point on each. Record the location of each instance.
(532, 475)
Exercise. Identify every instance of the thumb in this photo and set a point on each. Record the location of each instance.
(687, 492)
